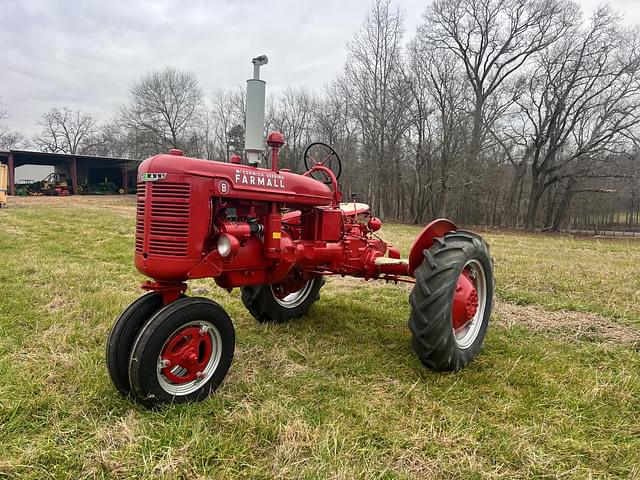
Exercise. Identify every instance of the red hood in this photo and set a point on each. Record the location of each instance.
(240, 181)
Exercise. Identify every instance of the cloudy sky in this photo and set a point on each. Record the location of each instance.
(87, 54)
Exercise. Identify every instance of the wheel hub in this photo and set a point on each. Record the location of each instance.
(293, 293)
(281, 290)
(465, 301)
(186, 355)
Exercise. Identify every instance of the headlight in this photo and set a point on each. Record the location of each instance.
(224, 245)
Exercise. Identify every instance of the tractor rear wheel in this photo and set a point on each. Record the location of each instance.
(182, 353)
(123, 334)
(281, 302)
(451, 301)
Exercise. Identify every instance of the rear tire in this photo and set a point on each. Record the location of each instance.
(268, 305)
(438, 344)
(182, 353)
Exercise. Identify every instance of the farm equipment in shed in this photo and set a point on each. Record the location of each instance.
(106, 187)
(54, 184)
(274, 234)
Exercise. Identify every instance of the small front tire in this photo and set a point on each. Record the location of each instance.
(182, 354)
(123, 334)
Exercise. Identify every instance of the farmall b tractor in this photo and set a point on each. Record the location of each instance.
(275, 234)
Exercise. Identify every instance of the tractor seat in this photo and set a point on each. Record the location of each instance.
(351, 208)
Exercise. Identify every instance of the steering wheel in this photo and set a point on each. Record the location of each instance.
(329, 158)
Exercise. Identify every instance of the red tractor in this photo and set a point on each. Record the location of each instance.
(276, 235)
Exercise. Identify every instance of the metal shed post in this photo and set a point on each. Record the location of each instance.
(12, 176)
(74, 175)
(125, 178)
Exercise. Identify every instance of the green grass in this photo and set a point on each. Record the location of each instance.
(337, 394)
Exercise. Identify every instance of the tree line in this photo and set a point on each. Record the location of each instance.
(513, 113)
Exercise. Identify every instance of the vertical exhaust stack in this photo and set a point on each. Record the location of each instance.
(254, 122)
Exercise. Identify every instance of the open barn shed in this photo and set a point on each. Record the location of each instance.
(83, 173)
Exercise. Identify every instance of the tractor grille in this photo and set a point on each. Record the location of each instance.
(169, 218)
(141, 189)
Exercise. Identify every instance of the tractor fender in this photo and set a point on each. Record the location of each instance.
(437, 228)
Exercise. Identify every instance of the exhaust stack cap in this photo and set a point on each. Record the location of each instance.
(257, 63)
(254, 123)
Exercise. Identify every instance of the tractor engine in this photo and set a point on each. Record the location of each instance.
(243, 225)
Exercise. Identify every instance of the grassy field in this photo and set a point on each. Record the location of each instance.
(337, 394)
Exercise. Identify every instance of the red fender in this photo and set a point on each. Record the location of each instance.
(437, 228)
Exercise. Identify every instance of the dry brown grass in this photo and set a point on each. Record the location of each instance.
(570, 325)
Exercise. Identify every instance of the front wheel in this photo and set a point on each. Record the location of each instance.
(182, 353)
(283, 301)
(451, 301)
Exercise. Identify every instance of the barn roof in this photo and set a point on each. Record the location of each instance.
(32, 157)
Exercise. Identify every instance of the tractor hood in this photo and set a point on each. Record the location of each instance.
(237, 181)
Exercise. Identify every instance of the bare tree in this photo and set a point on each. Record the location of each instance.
(66, 131)
(8, 138)
(375, 87)
(293, 116)
(583, 100)
(439, 125)
(334, 123)
(226, 117)
(493, 39)
(164, 107)
(113, 139)
(11, 140)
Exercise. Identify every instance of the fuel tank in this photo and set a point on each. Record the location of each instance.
(240, 181)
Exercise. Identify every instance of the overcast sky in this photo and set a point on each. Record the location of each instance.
(87, 54)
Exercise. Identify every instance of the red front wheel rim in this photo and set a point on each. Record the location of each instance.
(189, 357)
